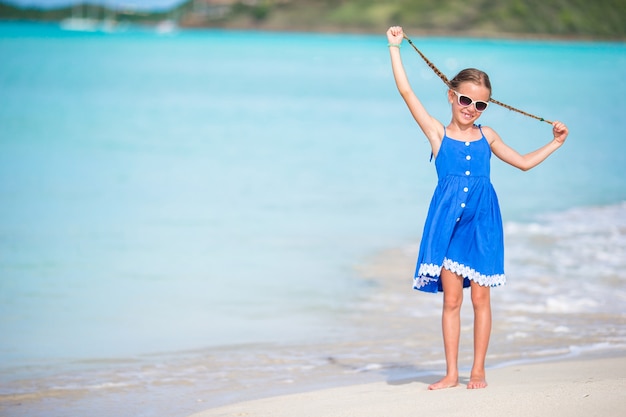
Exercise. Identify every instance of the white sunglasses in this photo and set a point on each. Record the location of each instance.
(465, 101)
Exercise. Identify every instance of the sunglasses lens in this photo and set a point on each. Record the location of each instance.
(465, 100)
(480, 105)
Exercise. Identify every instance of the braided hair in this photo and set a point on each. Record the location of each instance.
(473, 75)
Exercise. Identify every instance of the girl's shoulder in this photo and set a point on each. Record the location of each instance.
(489, 134)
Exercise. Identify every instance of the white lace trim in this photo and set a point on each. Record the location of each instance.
(423, 280)
(428, 273)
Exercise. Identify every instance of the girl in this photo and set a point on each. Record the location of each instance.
(462, 244)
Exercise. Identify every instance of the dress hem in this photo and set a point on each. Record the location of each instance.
(429, 275)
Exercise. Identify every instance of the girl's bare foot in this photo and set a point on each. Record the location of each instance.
(445, 382)
(477, 381)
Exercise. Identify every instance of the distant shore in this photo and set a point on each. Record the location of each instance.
(412, 33)
(594, 21)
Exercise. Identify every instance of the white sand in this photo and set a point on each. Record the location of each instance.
(585, 387)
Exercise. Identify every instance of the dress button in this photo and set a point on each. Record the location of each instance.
(463, 205)
(468, 157)
(466, 143)
(458, 219)
(467, 172)
(466, 189)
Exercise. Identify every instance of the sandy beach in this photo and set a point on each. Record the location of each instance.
(583, 387)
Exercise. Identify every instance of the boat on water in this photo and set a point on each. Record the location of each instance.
(82, 20)
(166, 26)
(80, 24)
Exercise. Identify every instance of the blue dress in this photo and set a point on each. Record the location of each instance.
(463, 229)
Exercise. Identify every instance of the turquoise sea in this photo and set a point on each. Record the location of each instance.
(185, 218)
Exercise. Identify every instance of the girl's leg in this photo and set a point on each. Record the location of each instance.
(481, 300)
(451, 326)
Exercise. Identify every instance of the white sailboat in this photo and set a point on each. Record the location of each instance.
(169, 25)
(109, 24)
(79, 22)
(166, 26)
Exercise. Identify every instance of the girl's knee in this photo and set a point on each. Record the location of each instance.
(480, 305)
(481, 296)
(452, 301)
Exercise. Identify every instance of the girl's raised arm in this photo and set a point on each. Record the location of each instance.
(532, 159)
(431, 127)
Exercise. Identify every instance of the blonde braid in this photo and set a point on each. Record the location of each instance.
(447, 82)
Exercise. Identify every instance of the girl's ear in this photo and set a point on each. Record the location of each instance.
(450, 96)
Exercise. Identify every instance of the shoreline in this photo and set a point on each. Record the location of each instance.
(331, 30)
(210, 383)
(411, 32)
(587, 386)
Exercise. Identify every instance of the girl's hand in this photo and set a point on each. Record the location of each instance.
(560, 131)
(395, 35)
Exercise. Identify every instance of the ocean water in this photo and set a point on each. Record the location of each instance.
(212, 214)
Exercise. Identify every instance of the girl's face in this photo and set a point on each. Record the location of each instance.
(468, 101)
